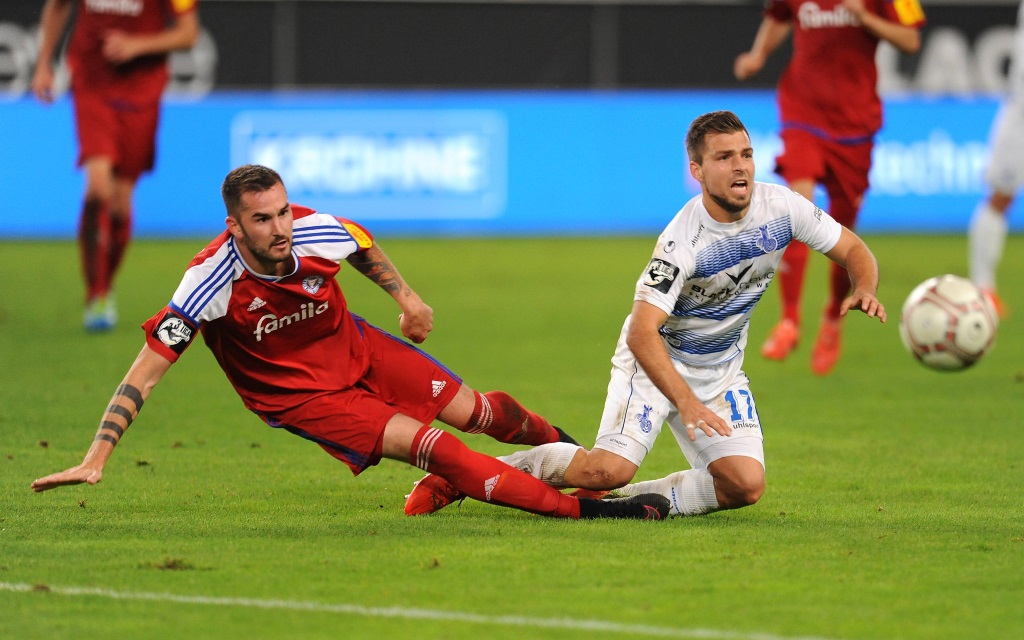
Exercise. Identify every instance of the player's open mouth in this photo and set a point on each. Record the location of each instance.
(740, 185)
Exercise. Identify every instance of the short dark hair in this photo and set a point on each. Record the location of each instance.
(710, 123)
(248, 178)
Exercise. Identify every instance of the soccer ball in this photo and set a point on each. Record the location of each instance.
(947, 323)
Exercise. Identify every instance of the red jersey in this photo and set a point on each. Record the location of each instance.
(143, 78)
(281, 341)
(830, 86)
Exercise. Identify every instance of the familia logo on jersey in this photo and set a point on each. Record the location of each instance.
(115, 7)
(270, 322)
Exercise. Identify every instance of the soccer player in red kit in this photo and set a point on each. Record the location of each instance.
(265, 298)
(118, 61)
(830, 111)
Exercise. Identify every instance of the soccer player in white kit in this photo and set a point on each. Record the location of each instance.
(986, 234)
(679, 358)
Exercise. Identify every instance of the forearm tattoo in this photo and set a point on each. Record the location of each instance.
(110, 430)
(376, 266)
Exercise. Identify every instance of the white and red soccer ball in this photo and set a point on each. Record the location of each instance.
(948, 323)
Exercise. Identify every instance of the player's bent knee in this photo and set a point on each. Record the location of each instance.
(605, 471)
(750, 494)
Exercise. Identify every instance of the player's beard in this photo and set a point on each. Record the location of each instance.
(732, 206)
(269, 256)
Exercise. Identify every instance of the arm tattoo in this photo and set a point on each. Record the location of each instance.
(378, 269)
(118, 410)
(132, 394)
(111, 431)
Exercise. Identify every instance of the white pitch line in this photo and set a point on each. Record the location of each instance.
(602, 626)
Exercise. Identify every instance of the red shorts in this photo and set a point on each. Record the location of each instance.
(120, 130)
(841, 168)
(349, 424)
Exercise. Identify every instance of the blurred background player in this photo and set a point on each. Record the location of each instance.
(118, 60)
(986, 234)
(830, 111)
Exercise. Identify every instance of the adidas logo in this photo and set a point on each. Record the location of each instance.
(489, 485)
(438, 386)
(256, 304)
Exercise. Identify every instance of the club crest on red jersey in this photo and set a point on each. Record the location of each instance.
(312, 283)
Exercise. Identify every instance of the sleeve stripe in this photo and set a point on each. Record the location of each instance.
(213, 283)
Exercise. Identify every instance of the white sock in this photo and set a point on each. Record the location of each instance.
(691, 492)
(546, 462)
(986, 237)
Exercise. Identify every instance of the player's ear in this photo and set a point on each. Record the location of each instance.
(234, 228)
(696, 172)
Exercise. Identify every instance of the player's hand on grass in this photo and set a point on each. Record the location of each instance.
(74, 475)
(696, 416)
(866, 302)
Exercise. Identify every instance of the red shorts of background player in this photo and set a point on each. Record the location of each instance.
(121, 130)
(842, 168)
(349, 424)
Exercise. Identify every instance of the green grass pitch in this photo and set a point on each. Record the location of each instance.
(894, 508)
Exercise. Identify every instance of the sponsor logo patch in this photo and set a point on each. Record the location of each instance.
(270, 323)
(660, 275)
(174, 332)
(256, 304)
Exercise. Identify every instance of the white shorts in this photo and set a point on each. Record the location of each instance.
(635, 410)
(1005, 171)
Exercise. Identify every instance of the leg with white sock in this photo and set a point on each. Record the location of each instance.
(547, 462)
(691, 492)
(731, 482)
(986, 238)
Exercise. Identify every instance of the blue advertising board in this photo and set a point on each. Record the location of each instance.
(478, 163)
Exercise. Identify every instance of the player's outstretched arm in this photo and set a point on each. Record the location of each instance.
(417, 318)
(906, 39)
(51, 26)
(769, 36)
(852, 254)
(147, 370)
(120, 47)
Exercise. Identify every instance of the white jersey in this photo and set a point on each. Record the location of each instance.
(708, 276)
(1015, 79)
(1005, 170)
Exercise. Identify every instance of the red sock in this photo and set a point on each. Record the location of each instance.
(791, 279)
(120, 234)
(502, 417)
(486, 479)
(93, 239)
